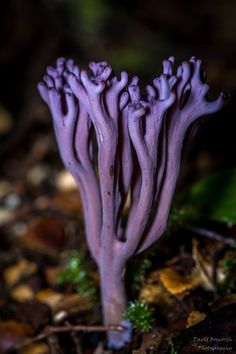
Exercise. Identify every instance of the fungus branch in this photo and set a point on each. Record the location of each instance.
(138, 142)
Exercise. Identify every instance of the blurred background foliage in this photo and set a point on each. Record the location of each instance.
(132, 35)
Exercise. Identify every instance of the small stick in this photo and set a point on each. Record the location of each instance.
(211, 234)
(68, 328)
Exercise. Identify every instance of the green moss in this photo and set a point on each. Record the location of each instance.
(140, 314)
(76, 272)
(229, 284)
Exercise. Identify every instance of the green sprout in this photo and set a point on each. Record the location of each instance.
(77, 273)
(140, 314)
(229, 284)
(138, 272)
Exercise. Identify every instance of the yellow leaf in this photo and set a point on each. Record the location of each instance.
(36, 348)
(22, 293)
(16, 272)
(49, 297)
(155, 294)
(195, 317)
(176, 283)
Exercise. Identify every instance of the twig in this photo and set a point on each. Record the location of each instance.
(211, 234)
(68, 328)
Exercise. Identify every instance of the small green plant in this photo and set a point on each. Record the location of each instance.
(140, 314)
(172, 347)
(76, 272)
(138, 271)
(229, 284)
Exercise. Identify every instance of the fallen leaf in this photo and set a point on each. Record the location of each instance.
(51, 275)
(155, 294)
(68, 202)
(195, 317)
(16, 272)
(45, 234)
(150, 342)
(22, 292)
(11, 333)
(71, 301)
(6, 120)
(203, 267)
(176, 283)
(5, 215)
(223, 301)
(49, 297)
(34, 313)
(36, 348)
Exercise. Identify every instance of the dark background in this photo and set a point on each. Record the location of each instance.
(132, 35)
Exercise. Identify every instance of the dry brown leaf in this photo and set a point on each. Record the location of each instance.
(22, 292)
(204, 268)
(11, 333)
(49, 297)
(5, 215)
(68, 202)
(195, 317)
(176, 283)
(223, 301)
(51, 275)
(6, 120)
(155, 294)
(16, 272)
(36, 348)
(45, 234)
(71, 301)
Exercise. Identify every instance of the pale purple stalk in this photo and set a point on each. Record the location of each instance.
(138, 142)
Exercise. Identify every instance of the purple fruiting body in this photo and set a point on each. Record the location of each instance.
(117, 144)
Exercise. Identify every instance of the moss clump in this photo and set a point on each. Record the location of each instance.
(140, 314)
(229, 284)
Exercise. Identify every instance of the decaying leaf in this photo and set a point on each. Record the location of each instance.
(71, 301)
(155, 294)
(22, 292)
(203, 267)
(201, 275)
(176, 283)
(150, 343)
(51, 275)
(11, 333)
(45, 234)
(195, 317)
(223, 301)
(5, 215)
(68, 202)
(31, 312)
(16, 272)
(6, 120)
(49, 297)
(36, 348)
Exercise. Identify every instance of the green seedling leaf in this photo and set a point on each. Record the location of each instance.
(76, 272)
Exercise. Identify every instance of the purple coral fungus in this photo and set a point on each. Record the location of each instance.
(119, 146)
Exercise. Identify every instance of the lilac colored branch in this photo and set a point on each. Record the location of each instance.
(138, 142)
(180, 121)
